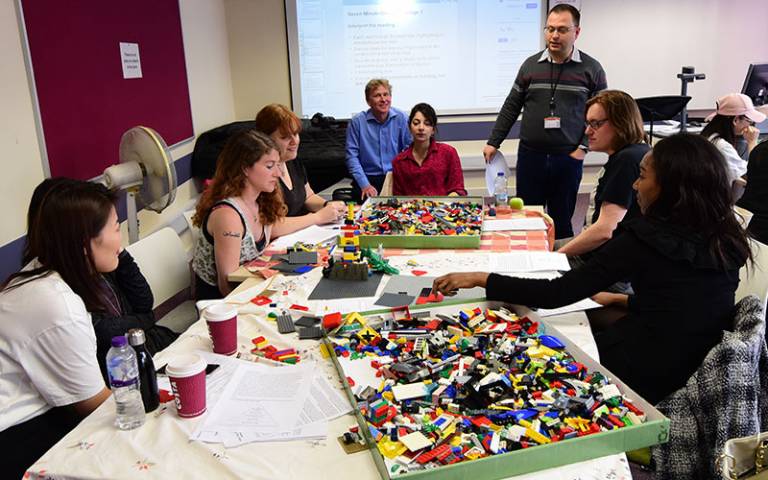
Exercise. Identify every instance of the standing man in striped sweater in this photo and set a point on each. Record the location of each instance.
(551, 89)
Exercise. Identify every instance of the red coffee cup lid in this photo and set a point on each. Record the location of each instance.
(185, 365)
(219, 312)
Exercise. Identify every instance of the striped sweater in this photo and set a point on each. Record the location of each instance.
(581, 78)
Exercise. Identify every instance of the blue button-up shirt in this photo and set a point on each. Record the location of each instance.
(371, 145)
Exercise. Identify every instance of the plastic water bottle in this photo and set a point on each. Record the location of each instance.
(147, 374)
(500, 189)
(123, 371)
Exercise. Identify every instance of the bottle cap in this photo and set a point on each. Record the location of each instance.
(119, 341)
(500, 174)
(136, 337)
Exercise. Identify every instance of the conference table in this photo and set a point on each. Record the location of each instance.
(161, 448)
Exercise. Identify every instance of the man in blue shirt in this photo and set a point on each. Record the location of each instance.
(374, 138)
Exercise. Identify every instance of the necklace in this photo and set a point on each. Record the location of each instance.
(117, 308)
(254, 214)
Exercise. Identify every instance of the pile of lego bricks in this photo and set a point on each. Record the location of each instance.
(421, 217)
(474, 384)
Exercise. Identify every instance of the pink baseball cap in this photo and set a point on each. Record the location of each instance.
(735, 104)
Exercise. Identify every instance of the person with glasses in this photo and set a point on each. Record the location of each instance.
(614, 126)
(733, 120)
(551, 88)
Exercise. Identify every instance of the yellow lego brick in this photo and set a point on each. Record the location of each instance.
(536, 436)
(324, 351)
(391, 449)
(389, 396)
(367, 334)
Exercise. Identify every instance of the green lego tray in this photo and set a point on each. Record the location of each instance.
(419, 241)
(654, 431)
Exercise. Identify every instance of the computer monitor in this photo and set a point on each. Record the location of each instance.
(756, 83)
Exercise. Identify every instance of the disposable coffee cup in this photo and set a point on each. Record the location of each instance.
(222, 326)
(187, 376)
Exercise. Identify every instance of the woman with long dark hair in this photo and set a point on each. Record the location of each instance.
(129, 298)
(427, 167)
(239, 211)
(734, 118)
(682, 256)
(49, 374)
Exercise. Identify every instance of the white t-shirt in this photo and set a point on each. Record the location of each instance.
(47, 350)
(737, 166)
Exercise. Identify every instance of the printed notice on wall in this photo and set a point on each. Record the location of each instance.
(129, 54)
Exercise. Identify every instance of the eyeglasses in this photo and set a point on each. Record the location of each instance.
(561, 30)
(749, 121)
(595, 124)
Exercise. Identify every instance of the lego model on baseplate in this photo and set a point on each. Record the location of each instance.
(421, 222)
(474, 391)
(349, 261)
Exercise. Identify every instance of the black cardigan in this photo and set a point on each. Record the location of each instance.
(136, 301)
(683, 301)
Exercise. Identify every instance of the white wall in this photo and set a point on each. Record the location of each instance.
(210, 85)
(643, 44)
(258, 54)
(20, 162)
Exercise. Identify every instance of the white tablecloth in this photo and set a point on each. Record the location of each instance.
(161, 448)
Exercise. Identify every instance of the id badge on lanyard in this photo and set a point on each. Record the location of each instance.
(553, 121)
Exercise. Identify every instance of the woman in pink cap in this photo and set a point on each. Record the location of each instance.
(735, 117)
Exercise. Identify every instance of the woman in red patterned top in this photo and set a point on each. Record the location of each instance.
(426, 167)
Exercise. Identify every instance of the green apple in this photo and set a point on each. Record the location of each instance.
(516, 203)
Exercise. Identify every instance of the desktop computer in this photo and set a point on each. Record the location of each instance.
(756, 84)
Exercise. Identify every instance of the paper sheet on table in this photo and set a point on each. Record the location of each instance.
(260, 399)
(311, 235)
(260, 405)
(514, 224)
(528, 262)
(497, 164)
(581, 305)
(436, 264)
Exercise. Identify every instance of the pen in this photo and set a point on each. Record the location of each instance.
(258, 359)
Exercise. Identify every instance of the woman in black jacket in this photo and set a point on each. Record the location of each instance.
(682, 256)
(128, 300)
(127, 296)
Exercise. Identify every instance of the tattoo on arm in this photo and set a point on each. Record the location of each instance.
(232, 234)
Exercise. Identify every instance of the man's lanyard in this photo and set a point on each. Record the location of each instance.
(553, 86)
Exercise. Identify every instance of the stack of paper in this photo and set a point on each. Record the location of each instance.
(267, 404)
(441, 263)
